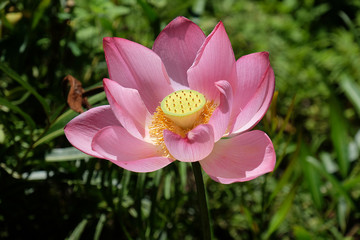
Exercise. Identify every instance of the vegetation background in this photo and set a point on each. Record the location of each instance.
(48, 190)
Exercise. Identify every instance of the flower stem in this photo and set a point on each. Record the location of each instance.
(201, 194)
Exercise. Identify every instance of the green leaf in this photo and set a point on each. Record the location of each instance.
(57, 128)
(312, 178)
(285, 178)
(18, 110)
(149, 11)
(39, 12)
(3, 5)
(167, 186)
(351, 25)
(99, 227)
(342, 210)
(76, 234)
(281, 213)
(74, 48)
(287, 119)
(249, 217)
(339, 137)
(338, 187)
(12, 74)
(125, 180)
(351, 182)
(199, 7)
(302, 234)
(65, 154)
(183, 175)
(352, 91)
(2, 134)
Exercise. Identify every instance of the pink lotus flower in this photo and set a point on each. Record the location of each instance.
(187, 99)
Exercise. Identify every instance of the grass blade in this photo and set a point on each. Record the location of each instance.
(352, 91)
(316, 165)
(65, 154)
(18, 110)
(281, 213)
(312, 178)
(38, 14)
(99, 227)
(57, 128)
(338, 126)
(12, 74)
(343, 197)
(76, 234)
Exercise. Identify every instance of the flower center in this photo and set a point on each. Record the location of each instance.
(179, 112)
(183, 107)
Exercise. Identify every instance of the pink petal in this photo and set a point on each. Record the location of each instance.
(114, 143)
(241, 158)
(145, 164)
(81, 130)
(177, 46)
(198, 143)
(128, 107)
(221, 116)
(250, 71)
(135, 66)
(257, 84)
(215, 61)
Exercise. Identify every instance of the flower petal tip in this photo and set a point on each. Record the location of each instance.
(240, 158)
(197, 145)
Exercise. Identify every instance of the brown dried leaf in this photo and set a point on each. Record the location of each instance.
(75, 98)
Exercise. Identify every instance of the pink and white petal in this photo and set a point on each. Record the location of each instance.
(114, 143)
(117, 64)
(198, 143)
(257, 106)
(250, 70)
(81, 130)
(221, 116)
(214, 61)
(241, 158)
(135, 66)
(128, 107)
(177, 45)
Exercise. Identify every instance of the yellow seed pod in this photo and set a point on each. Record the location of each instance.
(183, 107)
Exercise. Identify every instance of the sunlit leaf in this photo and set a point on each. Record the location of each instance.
(3, 5)
(65, 154)
(352, 91)
(342, 210)
(76, 234)
(99, 226)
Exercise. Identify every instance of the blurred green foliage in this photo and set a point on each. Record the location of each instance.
(49, 190)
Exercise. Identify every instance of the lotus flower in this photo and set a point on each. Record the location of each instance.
(187, 99)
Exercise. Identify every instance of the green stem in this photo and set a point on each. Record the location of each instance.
(204, 212)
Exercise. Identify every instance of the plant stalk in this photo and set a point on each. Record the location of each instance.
(203, 206)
